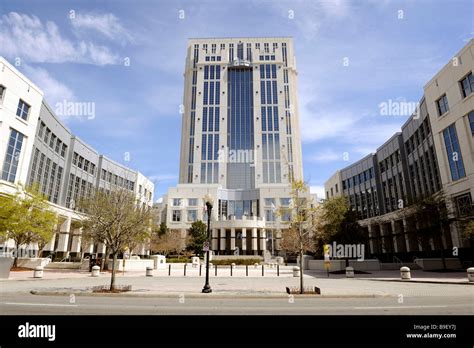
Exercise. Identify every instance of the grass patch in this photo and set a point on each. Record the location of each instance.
(240, 262)
(178, 260)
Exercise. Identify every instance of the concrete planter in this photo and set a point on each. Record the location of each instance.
(437, 263)
(33, 262)
(5, 265)
(132, 265)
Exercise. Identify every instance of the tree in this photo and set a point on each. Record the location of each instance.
(337, 222)
(300, 233)
(468, 230)
(116, 219)
(431, 218)
(25, 218)
(198, 235)
(331, 215)
(163, 229)
(169, 242)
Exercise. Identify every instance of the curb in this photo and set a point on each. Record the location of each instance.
(417, 281)
(200, 295)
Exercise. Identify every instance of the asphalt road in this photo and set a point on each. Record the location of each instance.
(28, 304)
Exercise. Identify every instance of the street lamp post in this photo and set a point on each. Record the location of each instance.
(207, 288)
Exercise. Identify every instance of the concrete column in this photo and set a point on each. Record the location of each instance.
(89, 247)
(244, 239)
(215, 240)
(50, 245)
(64, 231)
(263, 239)
(406, 235)
(456, 241)
(140, 249)
(101, 248)
(223, 237)
(385, 234)
(254, 241)
(232, 239)
(394, 235)
(76, 241)
(278, 240)
(371, 240)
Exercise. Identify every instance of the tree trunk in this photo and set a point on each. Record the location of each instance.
(443, 258)
(104, 264)
(301, 271)
(15, 260)
(112, 280)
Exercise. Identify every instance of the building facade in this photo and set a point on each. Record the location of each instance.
(434, 153)
(36, 148)
(240, 141)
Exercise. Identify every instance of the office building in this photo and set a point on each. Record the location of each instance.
(37, 148)
(434, 153)
(240, 142)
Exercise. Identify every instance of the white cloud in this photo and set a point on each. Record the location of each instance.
(28, 38)
(326, 156)
(321, 125)
(309, 16)
(107, 25)
(54, 91)
(160, 178)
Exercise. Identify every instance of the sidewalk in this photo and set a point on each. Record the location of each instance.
(177, 271)
(81, 283)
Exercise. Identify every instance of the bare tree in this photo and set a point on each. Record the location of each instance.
(169, 242)
(116, 219)
(299, 237)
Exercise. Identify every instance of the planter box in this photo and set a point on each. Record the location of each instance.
(132, 265)
(159, 261)
(318, 265)
(32, 262)
(437, 263)
(5, 265)
(366, 265)
(63, 265)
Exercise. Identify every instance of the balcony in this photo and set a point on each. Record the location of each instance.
(240, 63)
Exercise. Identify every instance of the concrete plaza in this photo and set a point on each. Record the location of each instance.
(382, 293)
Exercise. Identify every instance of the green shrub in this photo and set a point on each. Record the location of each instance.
(236, 261)
(178, 260)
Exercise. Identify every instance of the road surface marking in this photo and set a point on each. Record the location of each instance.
(407, 307)
(38, 304)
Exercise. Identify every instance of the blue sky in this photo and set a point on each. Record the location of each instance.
(351, 57)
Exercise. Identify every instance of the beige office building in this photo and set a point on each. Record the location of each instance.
(240, 141)
(433, 152)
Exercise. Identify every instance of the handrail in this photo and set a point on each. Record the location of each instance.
(397, 260)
